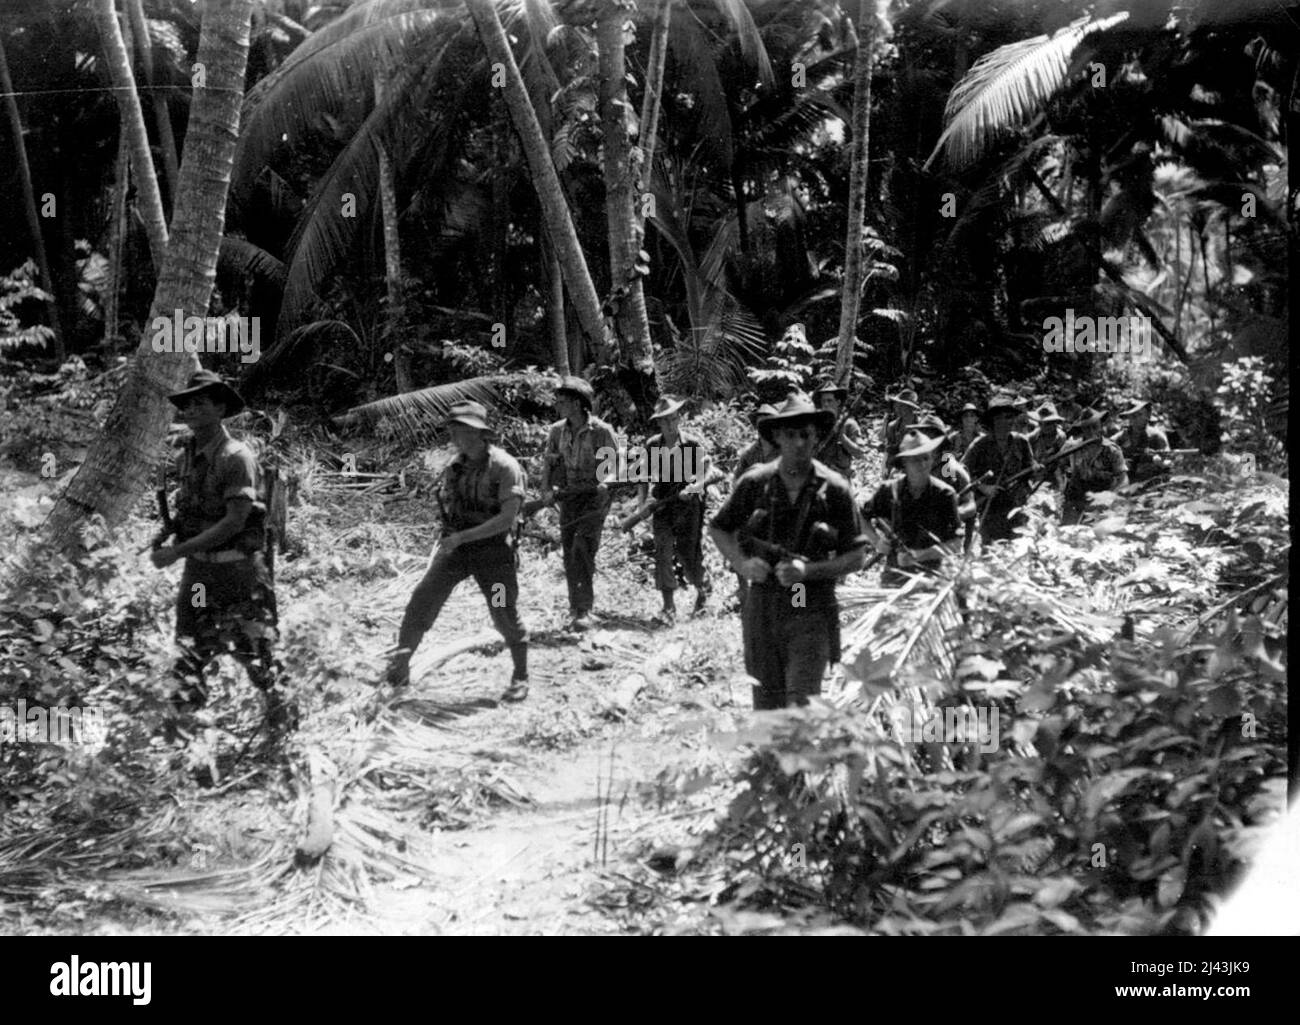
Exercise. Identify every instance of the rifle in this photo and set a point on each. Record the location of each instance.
(536, 505)
(164, 511)
(820, 537)
(845, 413)
(650, 508)
(1066, 451)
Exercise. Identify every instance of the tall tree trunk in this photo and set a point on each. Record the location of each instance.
(117, 466)
(157, 99)
(395, 313)
(620, 196)
(499, 221)
(128, 100)
(29, 202)
(652, 100)
(555, 307)
(116, 247)
(559, 220)
(851, 298)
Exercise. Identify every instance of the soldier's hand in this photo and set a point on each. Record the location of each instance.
(906, 559)
(988, 489)
(754, 569)
(163, 557)
(695, 488)
(548, 496)
(450, 543)
(159, 538)
(791, 571)
(883, 545)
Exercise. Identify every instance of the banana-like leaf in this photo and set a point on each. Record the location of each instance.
(1006, 87)
(240, 258)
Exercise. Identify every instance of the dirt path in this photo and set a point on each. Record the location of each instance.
(528, 867)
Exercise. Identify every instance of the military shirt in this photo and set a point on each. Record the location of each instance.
(917, 521)
(829, 500)
(984, 455)
(836, 456)
(209, 477)
(577, 456)
(1098, 467)
(668, 466)
(1045, 447)
(472, 493)
(1133, 445)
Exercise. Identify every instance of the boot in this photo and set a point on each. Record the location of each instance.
(398, 673)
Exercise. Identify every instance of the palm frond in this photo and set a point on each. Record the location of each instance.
(1008, 86)
(241, 259)
(334, 77)
(415, 415)
(711, 362)
(697, 74)
(751, 41)
(324, 233)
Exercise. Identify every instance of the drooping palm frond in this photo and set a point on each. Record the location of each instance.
(692, 51)
(1008, 86)
(242, 259)
(336, 75)
(328, 225)
(415, 415)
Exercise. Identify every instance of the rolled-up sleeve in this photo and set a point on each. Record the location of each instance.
(238, 476)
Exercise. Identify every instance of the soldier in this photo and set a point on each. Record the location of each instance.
(763, 450)
(575, 449)
(968, 428)
(1099, 467)
(839, 452)
(1141, 443)
(1001, 454)
(679, 467)
(479, 496)
(791, 529)
(227, 596)
(949, 469)
(906, 410)
(913, 518)
(1046, 440)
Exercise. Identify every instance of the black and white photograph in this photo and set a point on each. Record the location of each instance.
(647, 468)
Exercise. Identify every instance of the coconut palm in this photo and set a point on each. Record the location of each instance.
(117, 466)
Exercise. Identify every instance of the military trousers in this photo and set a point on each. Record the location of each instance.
(225, 608)
(679, 535)
(491, 562)
(787, 648)
(582, 517)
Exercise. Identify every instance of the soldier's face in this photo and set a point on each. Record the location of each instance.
(566, 405)
(918, 467)
(969, 419)
(796, 443)
(831, 402)
(200, 411)
(466, 439)
(1139, 419)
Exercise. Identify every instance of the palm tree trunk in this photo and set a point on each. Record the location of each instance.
(128, 100)
(117, 466)
(555, 307)
(157, 100)
(620, 193)
(651, 101)
(559, 220)
(29, 201)
(395, 314)
(851, 298)
(116, 248)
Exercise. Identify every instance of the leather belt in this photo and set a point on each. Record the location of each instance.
(229, 555)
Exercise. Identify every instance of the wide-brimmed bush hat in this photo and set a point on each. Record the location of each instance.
(795, 411)
(578, 388)
(999, 405)
(209, 381)
(469, 413)
(667, 406)
(917, 443)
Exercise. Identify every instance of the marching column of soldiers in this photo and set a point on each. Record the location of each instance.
(790, 528)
